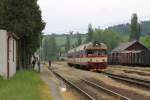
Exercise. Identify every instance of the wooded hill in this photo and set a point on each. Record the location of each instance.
(125, 28)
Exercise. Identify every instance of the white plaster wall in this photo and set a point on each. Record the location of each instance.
(12, 63)
(3, 53)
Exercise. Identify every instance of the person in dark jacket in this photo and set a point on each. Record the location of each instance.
(33, 63)
(50, 63)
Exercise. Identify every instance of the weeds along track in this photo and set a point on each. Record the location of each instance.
(144, 83)
(91, 90)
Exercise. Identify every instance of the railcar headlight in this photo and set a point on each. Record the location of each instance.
(90, 60)
(103, 60)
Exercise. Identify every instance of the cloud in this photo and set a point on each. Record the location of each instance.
(64, 15)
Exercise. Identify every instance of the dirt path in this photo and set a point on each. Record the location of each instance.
(52, 83)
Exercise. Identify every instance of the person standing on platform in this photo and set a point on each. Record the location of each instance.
(33, 63)
(50, 64)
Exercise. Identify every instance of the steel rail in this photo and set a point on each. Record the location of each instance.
(74, 86)
(141, 82)
(120, 97)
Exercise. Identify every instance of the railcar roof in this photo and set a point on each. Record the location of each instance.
(87, 46)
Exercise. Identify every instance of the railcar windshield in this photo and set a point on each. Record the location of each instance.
(96, 52)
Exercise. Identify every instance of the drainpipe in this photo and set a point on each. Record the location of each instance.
(8, 60)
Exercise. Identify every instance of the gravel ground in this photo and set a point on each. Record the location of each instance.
(72, 94)
(115, 85)
(96, 93)
(131, 94)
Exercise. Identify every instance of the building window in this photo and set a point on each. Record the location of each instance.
(13, 50)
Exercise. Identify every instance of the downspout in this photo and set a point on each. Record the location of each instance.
(8, 60)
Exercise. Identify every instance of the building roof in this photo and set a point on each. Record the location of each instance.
(13, 35)
(124, 46)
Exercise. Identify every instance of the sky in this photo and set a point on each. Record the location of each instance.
(62, 16)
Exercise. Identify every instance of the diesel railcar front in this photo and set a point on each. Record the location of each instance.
(90, 56)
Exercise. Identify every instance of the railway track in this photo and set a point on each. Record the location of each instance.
(90, 83)
(74, 86)
(140, 82)
(119, 96)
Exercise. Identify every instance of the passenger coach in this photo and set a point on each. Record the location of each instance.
(90, 56)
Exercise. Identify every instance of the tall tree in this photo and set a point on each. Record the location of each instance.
(97, 35)
(90, 33)
(110, 38)
(71, 32)
(79, 39)
(53, 46)
(135, 28)
(146, 40)
(45, 48)
(50, 48)
(23, 17)
(67, 45)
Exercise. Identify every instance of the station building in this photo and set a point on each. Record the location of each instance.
(8, 54)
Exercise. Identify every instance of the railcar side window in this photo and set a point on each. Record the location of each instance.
(103, 52)
(90, 52)
(96, 52)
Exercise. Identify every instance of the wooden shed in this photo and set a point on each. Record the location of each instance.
(8, 54)
(126, 53)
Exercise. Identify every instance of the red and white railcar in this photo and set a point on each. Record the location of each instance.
(90, 56)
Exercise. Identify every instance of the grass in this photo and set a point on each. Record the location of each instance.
(25, 85)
